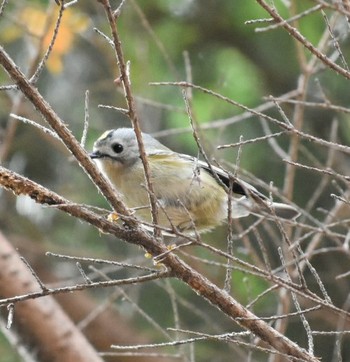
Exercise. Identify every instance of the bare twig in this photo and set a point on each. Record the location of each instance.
(86, 120)
(198, 282)
(288, 128)
(300, 38)
(63, 132)
(125, 79)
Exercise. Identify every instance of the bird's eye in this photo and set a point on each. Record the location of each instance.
(117, 148)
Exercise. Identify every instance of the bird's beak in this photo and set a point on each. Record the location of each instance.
(95, 154)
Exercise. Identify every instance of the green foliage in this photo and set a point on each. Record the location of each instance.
(6, 351)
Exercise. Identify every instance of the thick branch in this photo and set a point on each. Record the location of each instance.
(20, 185)
(201, 285)
(41, 323)
(65, 135)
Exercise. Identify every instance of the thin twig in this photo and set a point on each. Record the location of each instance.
(288, 128)
(124, 77)
(34, 78)
(35, 275)
(86, 120)
(35, 124)
(300, 38)
(291, 19)
(76, 287)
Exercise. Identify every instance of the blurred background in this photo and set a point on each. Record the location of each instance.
(209, 44)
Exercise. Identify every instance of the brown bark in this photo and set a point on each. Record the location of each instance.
(41, 323)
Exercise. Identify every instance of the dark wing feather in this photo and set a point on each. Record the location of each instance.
(238, 186)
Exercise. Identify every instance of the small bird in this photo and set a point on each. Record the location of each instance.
(191, 195)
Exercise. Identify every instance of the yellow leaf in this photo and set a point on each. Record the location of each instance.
(39, 26)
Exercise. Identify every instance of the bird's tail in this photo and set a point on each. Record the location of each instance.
(284, 211)
(264, 206)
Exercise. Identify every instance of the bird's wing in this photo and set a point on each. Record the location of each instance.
(237, 185)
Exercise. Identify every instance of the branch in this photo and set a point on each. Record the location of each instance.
(298, 36)
(201, 285)
(56, 331)
(124, 76)
(256, 112)
(65, 135)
